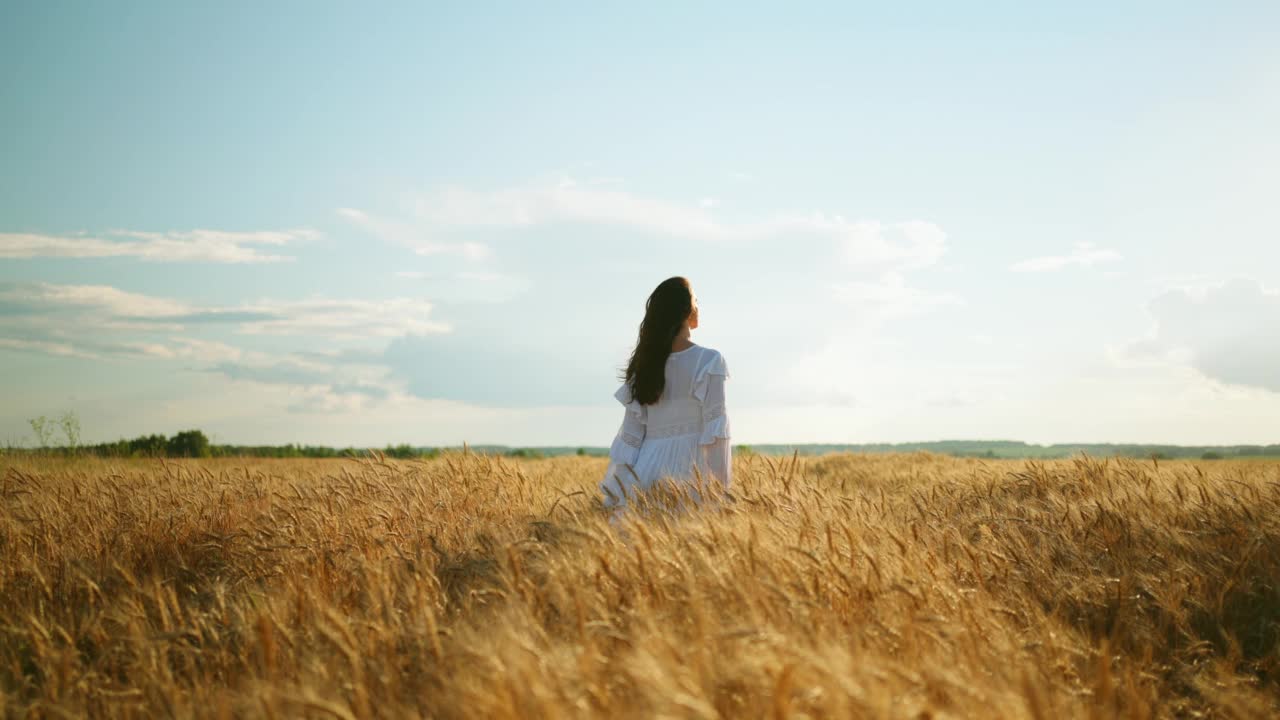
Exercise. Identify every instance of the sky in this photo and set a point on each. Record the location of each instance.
(329, 223)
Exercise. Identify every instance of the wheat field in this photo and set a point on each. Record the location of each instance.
(469, 586)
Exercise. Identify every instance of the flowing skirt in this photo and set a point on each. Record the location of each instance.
(680, 459)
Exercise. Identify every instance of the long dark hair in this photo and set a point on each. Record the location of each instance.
(665, 311)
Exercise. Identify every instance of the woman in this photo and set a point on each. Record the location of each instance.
(673, 393)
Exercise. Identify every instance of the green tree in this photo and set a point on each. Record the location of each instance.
(149, 446)
(43, 430)
(70, 425)
(188, 443)
(403, 451)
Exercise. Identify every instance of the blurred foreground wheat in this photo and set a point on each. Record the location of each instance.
(844, 586)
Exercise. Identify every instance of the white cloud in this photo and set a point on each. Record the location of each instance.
(201, 350)
(88, 308)
(315, 386)
(469, 286)
(343, 319)
(438, 216)
(420, 240)
(1227, 332)
(908, 244)
(1084, 254)
(215, 246)
(882, 378)
(889, 298)
(102, 322)
(64, 344)
(104, 299)
(44, 347)
(325, 400)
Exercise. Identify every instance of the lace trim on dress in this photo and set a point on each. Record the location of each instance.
(674, 430)
(717, 427)
(711, 412)
(625, 448)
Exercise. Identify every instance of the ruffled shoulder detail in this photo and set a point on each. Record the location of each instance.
(713, 365)
(623, 395)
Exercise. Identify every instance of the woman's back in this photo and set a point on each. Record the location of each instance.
(677, 406)
(686, 428)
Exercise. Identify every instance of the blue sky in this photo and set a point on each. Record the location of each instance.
(325, 223)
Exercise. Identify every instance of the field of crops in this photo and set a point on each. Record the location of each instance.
(903, 586)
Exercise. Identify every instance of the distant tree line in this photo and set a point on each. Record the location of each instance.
(188, 443)
(195, 444)
(1007, 449)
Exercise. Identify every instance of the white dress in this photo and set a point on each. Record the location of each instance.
(686, 427)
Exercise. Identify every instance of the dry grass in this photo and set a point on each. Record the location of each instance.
(903, 586)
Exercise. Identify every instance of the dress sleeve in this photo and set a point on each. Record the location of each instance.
(707, 370)
(715, 445)
(708, 387)
(626, 444)
(719, 460)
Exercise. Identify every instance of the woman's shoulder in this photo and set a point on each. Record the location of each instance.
(710, 363)
(696, 353)
(709, 356)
